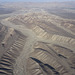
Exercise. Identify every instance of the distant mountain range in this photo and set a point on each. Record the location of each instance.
(70, 4)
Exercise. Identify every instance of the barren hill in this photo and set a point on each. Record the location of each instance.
(37, 42)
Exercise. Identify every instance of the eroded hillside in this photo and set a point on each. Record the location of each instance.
(11, 45)
(37, 44)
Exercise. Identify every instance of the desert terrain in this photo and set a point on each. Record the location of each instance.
(37, 38)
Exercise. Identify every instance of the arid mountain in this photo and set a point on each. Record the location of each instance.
(63, 9)
(35, 40)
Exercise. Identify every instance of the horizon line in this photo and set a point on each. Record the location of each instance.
(38, 1)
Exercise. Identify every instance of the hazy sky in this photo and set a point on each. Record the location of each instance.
(34, 0)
